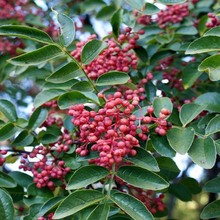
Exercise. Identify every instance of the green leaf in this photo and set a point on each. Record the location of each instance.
(204, 44)
(112, 78)
(71, 98)
(106, 12)
(36, 57)
(7, 131)
(83, 86)
(91, 50)
(36, 195)
(47, 95)
(168, 168)
(77, 201)
(136, 4)
(212, 210)
(142, 178)
(33, 212)
(160, 103)
(92, 97)
(6, 181)
(144, 160)
(211, 100)
(100, 212)
(71, 162)
(67, 123)
(25, 32)
(65, 73)
(48, 138)
(84, 213)
(119, 217)
(174, 117)
(67, 29)
(192, 184)
(217, 144)
(211, 66)
(32, 190)
(190, 74)
(116, 22)
(90, 5)
(86, 175)
(130, 205)
(23, 139)
(6, 206)
(37, 118)
(213, 126)
(142, 54)
(186, 30)
(171, 2)
(22, 179)
(16, 193)
(180, 191)
(190, 111)
(203, 152)
(213, 32)
(49, 205)
(150, 90)
(8, 110)
(213, 185)
(180, 139)
(150, 9)
(203, 122)
(161, 145)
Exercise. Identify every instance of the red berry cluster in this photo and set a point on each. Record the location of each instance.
(13, 9)
(19, 10)
(213, 21)
(48, 217)
(194, 1)
(174, 80)
(172, 14)
(152, 200)
(117, 56)
(162, 124)
(164, 63)
(47, 169)
(8, 46)
(144, 19)
(113, 130)
(2, 159)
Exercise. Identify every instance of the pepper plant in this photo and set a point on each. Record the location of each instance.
(112, 113)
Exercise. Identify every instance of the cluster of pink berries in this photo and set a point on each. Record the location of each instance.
(117, 56)
(143, 19)
(48, 166)
(47, 169)
(8, 46)
(48, 217)
(213, 21)
(172, 14)
(164, 63)
(2, 154)
(12, 9)
(194, 1)
(174, 80)
(19, 10)
(113, 130)
(152, 200)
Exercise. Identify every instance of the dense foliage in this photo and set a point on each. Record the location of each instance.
(110, 114)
